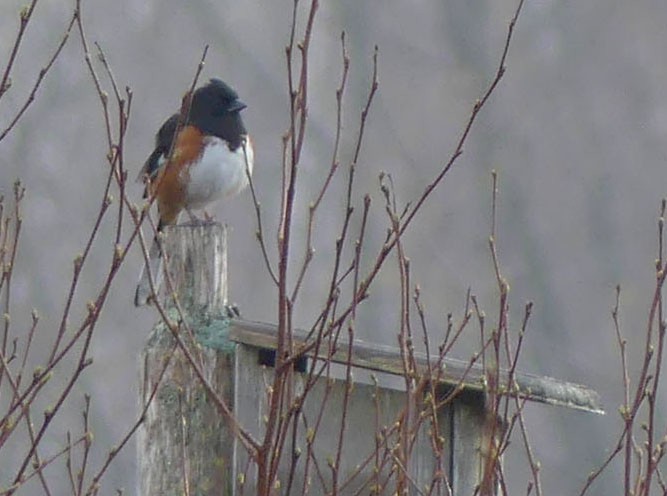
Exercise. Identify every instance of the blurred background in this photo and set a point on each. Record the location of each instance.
(575, 130)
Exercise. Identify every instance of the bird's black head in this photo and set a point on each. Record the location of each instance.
(215, 99)
(215, 110)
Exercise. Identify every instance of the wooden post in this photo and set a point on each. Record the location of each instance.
(184, 447)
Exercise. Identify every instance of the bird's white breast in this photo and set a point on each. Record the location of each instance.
(219, 172)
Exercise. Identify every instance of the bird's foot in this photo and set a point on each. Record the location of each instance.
(196, 221)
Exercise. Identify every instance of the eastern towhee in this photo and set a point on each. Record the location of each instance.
(200, 156)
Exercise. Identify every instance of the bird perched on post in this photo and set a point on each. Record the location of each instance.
(201, 155)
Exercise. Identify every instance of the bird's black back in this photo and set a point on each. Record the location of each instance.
(163, 140)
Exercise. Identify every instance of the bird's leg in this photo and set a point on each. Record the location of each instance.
(193, 218)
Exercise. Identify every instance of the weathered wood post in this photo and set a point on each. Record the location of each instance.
(184, 442)
(186, 446)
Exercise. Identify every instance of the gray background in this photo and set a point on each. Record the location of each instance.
(575, 130)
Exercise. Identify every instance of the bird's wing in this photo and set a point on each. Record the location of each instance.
(163, 140)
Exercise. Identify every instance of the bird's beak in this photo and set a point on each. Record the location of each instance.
(236, 106)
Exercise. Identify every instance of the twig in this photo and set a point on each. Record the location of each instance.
(24, 18)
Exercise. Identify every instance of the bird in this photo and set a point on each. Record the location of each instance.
(202, 154)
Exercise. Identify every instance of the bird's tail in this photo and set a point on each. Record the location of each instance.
(152, 269)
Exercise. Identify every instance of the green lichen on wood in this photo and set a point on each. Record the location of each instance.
(210, 329)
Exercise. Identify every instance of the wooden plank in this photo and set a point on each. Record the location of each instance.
(467, 435)
(387, 359)
(371, 412)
